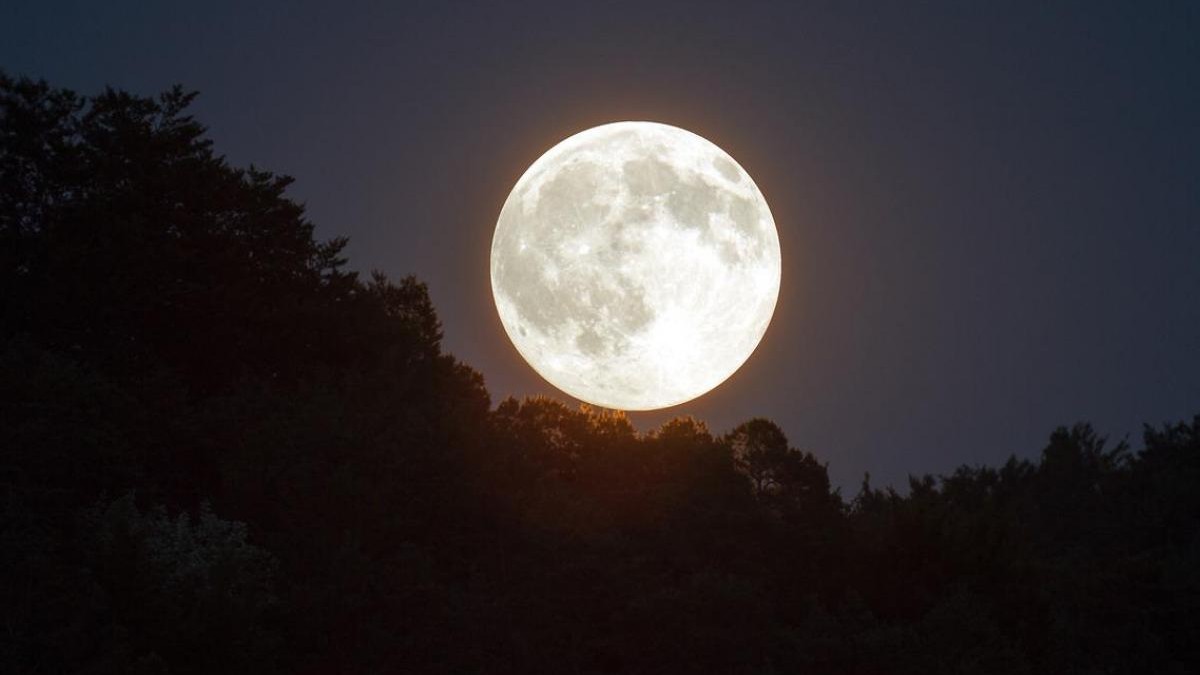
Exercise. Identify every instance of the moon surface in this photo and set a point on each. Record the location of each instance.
(635, 265)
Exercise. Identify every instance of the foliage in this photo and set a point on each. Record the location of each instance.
(223, 452)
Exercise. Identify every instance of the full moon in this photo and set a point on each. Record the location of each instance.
(635, 265)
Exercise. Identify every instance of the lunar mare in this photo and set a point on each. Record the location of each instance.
(635, 265)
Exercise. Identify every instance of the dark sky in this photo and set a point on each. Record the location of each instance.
(989, 213)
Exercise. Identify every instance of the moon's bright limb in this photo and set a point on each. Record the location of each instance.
(635, 265)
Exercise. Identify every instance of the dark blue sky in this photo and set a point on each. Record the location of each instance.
(989, 212)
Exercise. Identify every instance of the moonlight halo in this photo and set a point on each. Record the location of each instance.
(635, 265)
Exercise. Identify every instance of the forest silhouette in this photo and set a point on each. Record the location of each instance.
(224, 452)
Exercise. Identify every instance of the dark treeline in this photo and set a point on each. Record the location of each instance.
(222, 452)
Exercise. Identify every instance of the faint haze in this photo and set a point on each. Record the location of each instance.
(989, 214)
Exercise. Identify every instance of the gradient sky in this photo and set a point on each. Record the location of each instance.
(989, 212)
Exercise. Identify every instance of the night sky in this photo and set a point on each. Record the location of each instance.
(989, 215)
